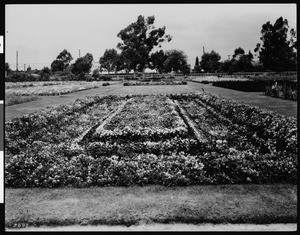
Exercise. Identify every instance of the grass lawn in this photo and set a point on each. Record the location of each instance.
(260, 204)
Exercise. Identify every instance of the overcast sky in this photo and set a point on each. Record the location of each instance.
(40, 32)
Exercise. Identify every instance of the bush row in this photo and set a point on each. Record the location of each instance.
(251, 86)
(154, 83)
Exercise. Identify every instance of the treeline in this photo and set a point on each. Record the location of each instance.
(139, 39)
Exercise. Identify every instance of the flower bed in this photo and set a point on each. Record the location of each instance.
(209, 125)
(18, 99)
(274, 131)
(253, 145)
(49, 88)
(59, 125)
(153, 83)
(146, 117)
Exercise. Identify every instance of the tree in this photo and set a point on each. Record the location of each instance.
(238, 52)
(176, 61)
(225, 65)
(83, 65)
(197, 67)
(139, 38)
(96, 73)
(45, 73)
(210, 61)
(109, 60)
(7, 68)
(65, 57)
(62, 61)
(277, 52)
(157, 60)
(57, 65)
(245, 62)
(241, 62)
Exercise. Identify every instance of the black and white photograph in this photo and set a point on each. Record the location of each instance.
(158, 117)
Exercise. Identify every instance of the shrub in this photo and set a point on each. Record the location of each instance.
(247, 86)
(20, 77)
(104, 78)
(105, 84)
(288, 90)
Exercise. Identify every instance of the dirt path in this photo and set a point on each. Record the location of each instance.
(166, 227)
(282, 106)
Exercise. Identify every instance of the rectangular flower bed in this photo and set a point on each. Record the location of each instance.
(40, 150)
(146, 117)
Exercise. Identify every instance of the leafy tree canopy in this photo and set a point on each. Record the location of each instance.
(276, 52)
(176, 61)
(238, 52)
(157, 60)
(65, 57)
(109, 60)
(139, 38)
(210, 61)
(57, 65)
(83, 64)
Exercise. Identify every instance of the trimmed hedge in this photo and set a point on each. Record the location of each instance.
(252, 85)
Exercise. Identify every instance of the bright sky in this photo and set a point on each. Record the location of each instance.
(40, 32)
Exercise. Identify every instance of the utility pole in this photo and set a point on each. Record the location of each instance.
(79, 53)
(24, 67)
(203, 50)
(17, 62)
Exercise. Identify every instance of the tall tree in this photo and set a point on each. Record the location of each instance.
(197, 61)
(277, 52)
(109, 60)
(139, 38)
(197, 67)
(245, 62)
(176, 61)
(240, 61)
(65, 57)
(62, 61)
(210, 61)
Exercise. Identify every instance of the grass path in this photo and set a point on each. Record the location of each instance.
(282, 106)
(259, 204)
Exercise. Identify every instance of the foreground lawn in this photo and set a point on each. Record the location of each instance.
(260, 204)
